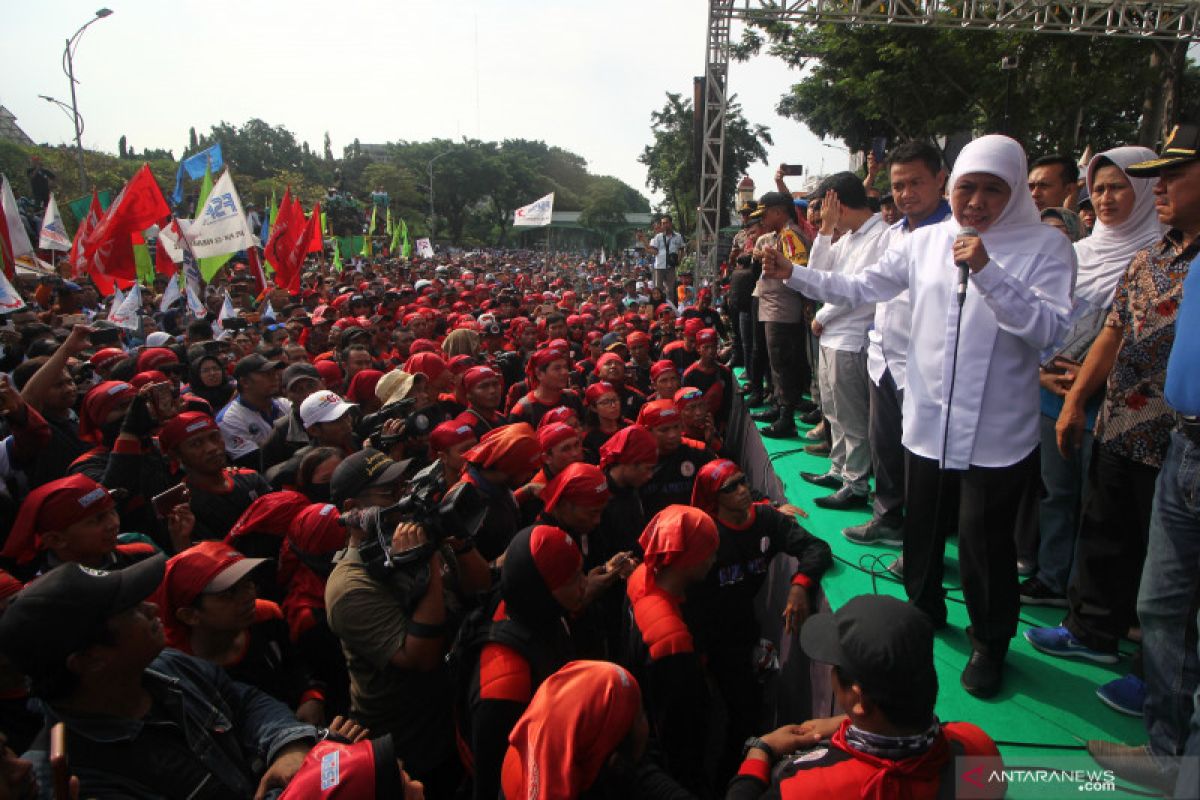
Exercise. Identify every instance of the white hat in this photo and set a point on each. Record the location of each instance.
(395, 385)
(323, 406)
(158, 339)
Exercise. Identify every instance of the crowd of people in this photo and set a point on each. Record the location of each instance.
(470, 526)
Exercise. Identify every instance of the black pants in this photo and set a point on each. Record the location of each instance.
(1110, 549)
(987, 557)
(887, 453)
(759, 368)
(789, 362)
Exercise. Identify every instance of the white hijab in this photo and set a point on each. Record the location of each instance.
(1019, 228)
(1105, 255)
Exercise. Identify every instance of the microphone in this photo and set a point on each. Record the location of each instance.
(964, 269)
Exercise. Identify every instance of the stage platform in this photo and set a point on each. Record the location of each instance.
(1048, 708)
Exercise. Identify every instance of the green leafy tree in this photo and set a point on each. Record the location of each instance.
(671, 162)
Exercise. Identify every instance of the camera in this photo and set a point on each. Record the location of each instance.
(371, 425)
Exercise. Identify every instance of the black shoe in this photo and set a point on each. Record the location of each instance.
(1036, 593)
(811, 417)
(822, 479)
(983, 674)
(782, 428)
(768, 414)
(843, 499)
(805, 406)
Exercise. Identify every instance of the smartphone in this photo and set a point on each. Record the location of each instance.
(58, 762)
(879, 148)
(70, 320)
(791, 169)
(176, 495)
(161, 400)
(105, 337)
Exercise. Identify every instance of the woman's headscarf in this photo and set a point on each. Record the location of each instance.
(678, 536)
(1104, 256)
(577, 718)
(1019, 224)
(216, 396)
(461, 342)
(1071, 221)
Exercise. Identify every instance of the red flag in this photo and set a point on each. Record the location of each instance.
(256, 270)
(109, 246)
(277, 246)
(163, 264)
(95, 212)
(316, 241)
(6, 251)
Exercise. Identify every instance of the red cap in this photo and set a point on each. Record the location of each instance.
(272, 514)
(147, 377)
(658, 412)
(203, 568)
(709, 480)
(317, 529)
(98, 403)
(460, 364)
(554, 434)
(580, 483)
(331, 375)
(423, 346)
(692, 327)
(154, 357)
(660, 368)
(633, 444)
(605, 360)
(688, 395)
(678, 536)
(477, 375)
(181, 427)
(706, 336)
(555, 554)
(53, 506)
(448, 434)
(558, 414)
(334, 771)
(637, 338)
(598, 390)
(429, 364)
(106, 357)
(511, 449)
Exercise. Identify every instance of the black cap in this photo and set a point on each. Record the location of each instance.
(849, 188)
(255, 363)
(884, 644)
(62, 612)
(748, 207)
(302, 369)
(366, 468)
(776, 200)
(1181, 146)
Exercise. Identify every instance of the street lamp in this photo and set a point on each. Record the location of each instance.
(69, 69)
(432, 218)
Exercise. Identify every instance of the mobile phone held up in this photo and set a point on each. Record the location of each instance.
(164, 502)
(791, 170)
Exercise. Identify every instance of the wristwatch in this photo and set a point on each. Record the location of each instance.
(756, 743)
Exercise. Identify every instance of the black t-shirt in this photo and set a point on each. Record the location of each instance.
(674, 476)
(65, 446)
(217, 511)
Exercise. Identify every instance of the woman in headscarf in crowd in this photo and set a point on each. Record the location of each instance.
(362, 390)
(604, 418)
(585, 736)
(208, 380)
(210, 609)
(611, 369)
(461, 342)
(1067, 221)
(679, 547)
(541, 585)
(750, 535)
(504, 460)
(314, 535)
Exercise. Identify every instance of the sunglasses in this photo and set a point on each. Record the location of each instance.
(734, 485)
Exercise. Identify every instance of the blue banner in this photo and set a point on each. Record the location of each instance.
(194, 166)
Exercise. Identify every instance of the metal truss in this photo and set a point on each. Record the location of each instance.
(1133, 19)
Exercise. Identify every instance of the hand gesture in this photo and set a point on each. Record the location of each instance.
(971, 250)
(348, 729)
(180, 524)
(796, 610)
(78, 340)
(831, 213)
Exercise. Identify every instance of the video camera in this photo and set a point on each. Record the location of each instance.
(371, 425)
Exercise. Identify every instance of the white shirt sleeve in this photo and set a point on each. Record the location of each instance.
(883, 280)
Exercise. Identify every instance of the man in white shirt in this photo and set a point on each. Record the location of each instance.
(667, 249)
(247, 421)
(842, 334)
(918, 182)
(971, 419)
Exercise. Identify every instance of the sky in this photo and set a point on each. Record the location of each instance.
(582, 76)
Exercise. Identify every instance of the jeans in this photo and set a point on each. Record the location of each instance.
(1058, 516)
(1166, 606)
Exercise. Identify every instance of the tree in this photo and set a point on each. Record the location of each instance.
(193, 142)
(328, 148)
(861, 82)
(671, 162)
(122, 149)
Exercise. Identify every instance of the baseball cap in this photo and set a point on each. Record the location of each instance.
(255, 363)
(159, 339)
(205, 568)
(884, 644)
(299, 371)
(61, 612)
(366, 468)
(53, 506)
(1181, 146)
(323, 406)
(774, 199)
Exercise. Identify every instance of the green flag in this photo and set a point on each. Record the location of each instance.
(405, 246)
(141, 257)
(371, 228)
(388, 229)
(366, 248)
(337, 257)
(271, 211)
(324, 222)
(212, 265)
(394, 247)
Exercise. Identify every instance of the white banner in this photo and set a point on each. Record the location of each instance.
(171, 294)
(171, 240)
(424, 248)
(54, 233)
(535, 215)
(222, 227)
(10, 300)
(12, 218)
(125, 314)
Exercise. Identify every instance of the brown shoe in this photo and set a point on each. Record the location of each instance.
(818, 449)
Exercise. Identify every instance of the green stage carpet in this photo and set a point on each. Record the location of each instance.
(1046, 702)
